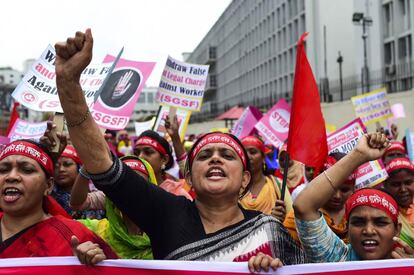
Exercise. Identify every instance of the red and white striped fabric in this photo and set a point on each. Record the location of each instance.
(70, 265)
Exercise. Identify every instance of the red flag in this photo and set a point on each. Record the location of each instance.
(307, 134)
(14, 115)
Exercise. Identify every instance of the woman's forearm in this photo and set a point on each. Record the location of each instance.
(321, 189)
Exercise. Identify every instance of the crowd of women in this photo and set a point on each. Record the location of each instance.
(222, 205)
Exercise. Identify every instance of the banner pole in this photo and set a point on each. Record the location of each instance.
(285, 173)
(156, 118)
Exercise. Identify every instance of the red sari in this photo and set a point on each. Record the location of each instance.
(51, 237)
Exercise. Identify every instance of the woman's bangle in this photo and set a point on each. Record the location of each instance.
(329, 180)
(84, 174)
(77, 123)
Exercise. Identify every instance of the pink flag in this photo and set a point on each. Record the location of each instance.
(245, 125)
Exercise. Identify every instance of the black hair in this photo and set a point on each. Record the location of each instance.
(189, 161)
(112, 132)
(164, 143)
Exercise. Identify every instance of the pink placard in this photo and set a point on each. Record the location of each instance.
(245, 125)
(398, 110)
(3, 142)
(116, 103)
(274, 125)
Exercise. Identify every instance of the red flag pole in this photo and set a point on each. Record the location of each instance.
(285, 173)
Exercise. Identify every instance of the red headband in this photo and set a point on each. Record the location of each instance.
(374, 198)
(220, 138)
(395, 146)
(153, 143)
(330, 161)
(136, 165)
(71, 153)
(29, 150)
(256, 142)
(399, 163)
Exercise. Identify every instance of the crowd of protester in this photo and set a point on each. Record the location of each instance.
(108, 196)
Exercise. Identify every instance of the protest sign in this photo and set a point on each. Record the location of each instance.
(409, 137)
(244, 126)
(182, 85)
(344, 140)
(71, 265)
(27, 130)
(143, 126)
(120, 93)
(274, 125)
(372, 107)
(37, 90)
(3, 142)
(183, 117)
(398, 111)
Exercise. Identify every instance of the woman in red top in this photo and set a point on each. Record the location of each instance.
(27, 227)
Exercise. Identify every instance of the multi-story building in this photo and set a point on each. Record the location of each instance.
(9, 79)
(145, 108)
(251, 50)
(397, 40)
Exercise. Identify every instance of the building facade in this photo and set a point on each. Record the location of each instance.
(251, 50)
(145, 108)
(397, 41)
(9, 79)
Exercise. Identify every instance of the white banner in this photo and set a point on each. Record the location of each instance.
(37, 90)
(182, 85)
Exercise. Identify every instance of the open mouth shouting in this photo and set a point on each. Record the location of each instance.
(11, 194)
(215, 173)
(370, 245)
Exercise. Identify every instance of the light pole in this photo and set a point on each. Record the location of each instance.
(340, 60)
(359, 19)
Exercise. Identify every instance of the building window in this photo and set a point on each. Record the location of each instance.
(301, 4)
(387, 13)
(212, 54)
(404, 48)
(150, 98)
(404, 7)
(141, 98)
(389, 58)
(213, 81)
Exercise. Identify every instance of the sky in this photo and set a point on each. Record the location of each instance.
(149, 30)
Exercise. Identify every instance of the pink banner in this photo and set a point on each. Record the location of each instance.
(344, 140)
(274, 125)
(70, 265)
(117, 100)
(245, 125)
(3, 142)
